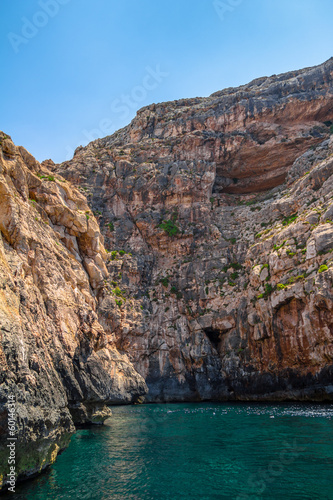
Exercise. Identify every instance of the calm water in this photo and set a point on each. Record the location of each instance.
(197, 451)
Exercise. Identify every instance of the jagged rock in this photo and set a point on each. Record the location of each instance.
(323, 236)
(55, 355)
(215, 281)
(220, 275)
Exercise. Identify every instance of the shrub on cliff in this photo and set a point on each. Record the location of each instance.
(170, 227)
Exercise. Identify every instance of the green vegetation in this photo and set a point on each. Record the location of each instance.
(293, 279)
(178, 294)
(322, 268)
(110, 226)
(288, 220)
(119, 303)
(48, 177)
(234, 275)
(165, 282)
(121, 252)
(114, 255)
(268, 290)
(280, 286)
(277, 247)
(87, 217)
(236, 265)
(170, 227)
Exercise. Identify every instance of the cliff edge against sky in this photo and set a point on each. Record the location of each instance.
(186, 257)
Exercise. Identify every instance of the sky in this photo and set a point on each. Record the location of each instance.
(75, 70)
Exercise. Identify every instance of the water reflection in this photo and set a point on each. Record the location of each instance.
(197, 451)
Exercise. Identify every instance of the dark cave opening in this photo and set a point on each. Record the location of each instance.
(213, 336)
(247, 185)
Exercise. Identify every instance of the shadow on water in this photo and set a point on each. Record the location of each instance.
(199, 451)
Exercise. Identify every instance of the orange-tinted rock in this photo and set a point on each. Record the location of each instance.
(219, 291)
(55, 355)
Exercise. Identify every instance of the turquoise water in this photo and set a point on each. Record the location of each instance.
(197, 451)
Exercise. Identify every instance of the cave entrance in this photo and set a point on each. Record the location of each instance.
(213, 336)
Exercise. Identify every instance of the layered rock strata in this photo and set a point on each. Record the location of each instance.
(193, 256)
(58, 363)
(214, 292)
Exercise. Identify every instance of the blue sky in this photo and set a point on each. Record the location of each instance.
(73, 70)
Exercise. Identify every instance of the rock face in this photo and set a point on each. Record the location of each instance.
(57, 361)
(223, 286)
(201, 264)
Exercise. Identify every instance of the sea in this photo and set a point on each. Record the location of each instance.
(231, 451)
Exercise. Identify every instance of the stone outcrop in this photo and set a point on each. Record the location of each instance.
(57, 361)
(218, 279)
(193, 256)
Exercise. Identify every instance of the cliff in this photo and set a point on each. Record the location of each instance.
(189, 254)
(221, 273)
(57, 361)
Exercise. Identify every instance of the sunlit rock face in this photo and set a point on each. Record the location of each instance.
(57, 362)
(217, 216)
(252, 133)
(190, 254)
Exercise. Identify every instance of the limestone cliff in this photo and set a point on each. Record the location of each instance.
(228, 283)
(57, 361)
(194, 255)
